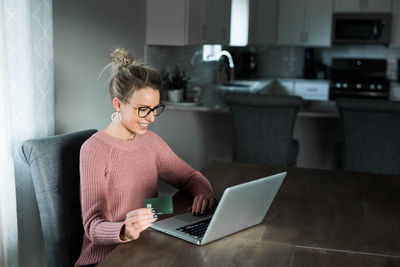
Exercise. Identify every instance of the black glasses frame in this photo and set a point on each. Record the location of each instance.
(142, 109)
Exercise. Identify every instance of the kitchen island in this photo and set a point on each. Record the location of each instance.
(202, 133)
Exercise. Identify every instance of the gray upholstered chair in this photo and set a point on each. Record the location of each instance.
(54, 166)
(371, 135)
(263, 127)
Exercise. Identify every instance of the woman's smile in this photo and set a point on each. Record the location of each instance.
(144, 125)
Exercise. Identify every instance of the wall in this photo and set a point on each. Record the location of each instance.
(85, 32)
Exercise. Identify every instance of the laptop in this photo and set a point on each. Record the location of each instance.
(241, 206)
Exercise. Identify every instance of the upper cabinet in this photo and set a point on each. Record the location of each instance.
(363, 5)
(395, 38)
(263, 20)
(283, 22)
(218, 21)
(175, 22)
(187, 22)
(305, 22)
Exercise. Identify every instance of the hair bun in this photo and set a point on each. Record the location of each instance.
(121, 58)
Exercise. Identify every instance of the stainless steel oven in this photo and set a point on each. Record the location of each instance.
(361, 28)
(359, 78)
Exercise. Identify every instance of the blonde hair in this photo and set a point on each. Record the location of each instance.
(129, 75)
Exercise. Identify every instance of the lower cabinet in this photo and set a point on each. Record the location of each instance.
(394, 92)
(306, 89)
(312, 90)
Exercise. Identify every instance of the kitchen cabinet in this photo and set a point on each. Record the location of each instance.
(175, 22)
(363, 5)
(263, 20)
(312, 89)
(187, 22)
(218, 21)
(394, 94)
(395, 37)
(305, 22)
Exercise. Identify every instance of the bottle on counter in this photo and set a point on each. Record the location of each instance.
(248, 65)
(309, 64)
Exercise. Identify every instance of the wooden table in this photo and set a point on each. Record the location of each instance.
(319, 218)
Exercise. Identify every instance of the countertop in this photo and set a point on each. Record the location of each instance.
(212, 97)
(315, 109)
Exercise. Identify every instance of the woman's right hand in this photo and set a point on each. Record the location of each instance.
(136, 222)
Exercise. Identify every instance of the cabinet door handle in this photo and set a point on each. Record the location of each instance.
(223, 33)
(312, 89)
(363, 4)
(203, 32)
(302, 37)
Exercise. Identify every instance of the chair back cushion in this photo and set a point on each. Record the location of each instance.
(371, 135)
(54, 167)
(263, 127)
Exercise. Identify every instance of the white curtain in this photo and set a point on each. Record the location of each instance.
(26, 112)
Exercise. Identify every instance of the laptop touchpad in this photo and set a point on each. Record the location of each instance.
(188, 217)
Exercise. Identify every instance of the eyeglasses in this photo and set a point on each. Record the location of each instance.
(145, 111)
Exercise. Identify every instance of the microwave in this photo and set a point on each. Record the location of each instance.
(361, 28)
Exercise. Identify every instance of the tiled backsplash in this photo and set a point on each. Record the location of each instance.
(187, 58)
(273, 61)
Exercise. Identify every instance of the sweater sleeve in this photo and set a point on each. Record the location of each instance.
(95, 214)
(177, 172)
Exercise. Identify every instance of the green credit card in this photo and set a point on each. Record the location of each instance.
(162, 205)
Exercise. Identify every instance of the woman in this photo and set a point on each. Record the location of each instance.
(120, 165)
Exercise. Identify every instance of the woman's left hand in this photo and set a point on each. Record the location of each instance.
(203, 204)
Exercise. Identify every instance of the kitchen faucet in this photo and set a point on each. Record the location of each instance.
(231, 65)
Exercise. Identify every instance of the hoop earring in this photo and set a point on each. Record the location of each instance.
(116, 117)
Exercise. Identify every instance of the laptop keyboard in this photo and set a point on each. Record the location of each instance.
(196, 230)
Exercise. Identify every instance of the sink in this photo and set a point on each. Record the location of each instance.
(244, 86)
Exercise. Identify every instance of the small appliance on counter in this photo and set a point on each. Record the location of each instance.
(359, 78)
(398, 70)
(247, 68)
(309, 71)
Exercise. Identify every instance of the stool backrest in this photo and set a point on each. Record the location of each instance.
(371, 135)
(263, 127)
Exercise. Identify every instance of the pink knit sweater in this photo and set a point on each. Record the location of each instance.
(116, 176)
